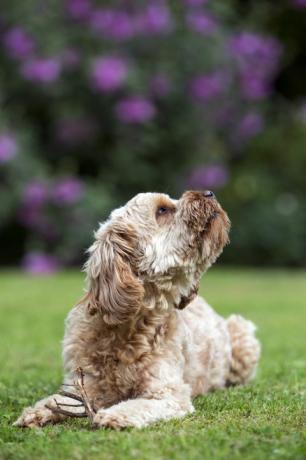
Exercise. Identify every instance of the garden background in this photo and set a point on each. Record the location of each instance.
(101, 100)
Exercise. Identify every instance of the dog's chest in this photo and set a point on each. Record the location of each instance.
(115, 382)
(115, 369)
(108, 379)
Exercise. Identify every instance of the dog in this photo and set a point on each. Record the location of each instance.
(147, 344)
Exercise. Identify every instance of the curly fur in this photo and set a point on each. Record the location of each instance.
(144, 339)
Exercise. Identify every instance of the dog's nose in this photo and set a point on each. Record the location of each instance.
(208, 194)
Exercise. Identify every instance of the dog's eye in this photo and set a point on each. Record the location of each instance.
(164, 213)
(162, 210)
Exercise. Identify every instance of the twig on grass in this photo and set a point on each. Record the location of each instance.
(82, 397)
(68, 394)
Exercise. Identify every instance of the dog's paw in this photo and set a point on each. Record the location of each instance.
(112, 419)
(33, 417)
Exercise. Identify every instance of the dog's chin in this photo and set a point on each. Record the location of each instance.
(215, 235)
(214, 215)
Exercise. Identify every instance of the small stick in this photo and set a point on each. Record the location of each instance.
(69, 405)
(80, 383)
(58, 410)
(71, 395)
(82, 397)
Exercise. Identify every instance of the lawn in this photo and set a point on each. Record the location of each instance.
(261, 421)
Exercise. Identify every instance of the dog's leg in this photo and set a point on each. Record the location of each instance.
(245, 350)
(41, 413)
(141, 412)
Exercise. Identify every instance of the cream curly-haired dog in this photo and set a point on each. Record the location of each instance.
(144, 355)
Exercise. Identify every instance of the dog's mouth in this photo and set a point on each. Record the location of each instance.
(204, 215)
(208, 221)
(213, 216)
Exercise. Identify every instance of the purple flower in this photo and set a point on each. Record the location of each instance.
(254, 87)
(35, 194)
(101, 20)
(257, 53)
(250, 44)
(8, 147)
(160, 85)
(118, 25)
(212, 176)
(39, 263)
(18, 43)
(43, 70)
(155, 19)
(135, 109)
(299, 3)
(109, 73)
(203, 23)
(79, 9)
(67, 191)
(258, 60)
(250, 125)
(208, 86)
(75, 131)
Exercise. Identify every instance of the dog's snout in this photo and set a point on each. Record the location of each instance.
(208, 194)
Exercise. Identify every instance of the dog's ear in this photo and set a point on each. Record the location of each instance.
(114, 289)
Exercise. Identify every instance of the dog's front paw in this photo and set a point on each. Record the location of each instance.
(33, 417)
(112, 419)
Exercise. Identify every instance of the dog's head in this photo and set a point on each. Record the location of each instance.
(153, 243)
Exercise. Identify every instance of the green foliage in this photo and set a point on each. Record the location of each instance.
(204, 103)
(266, 199)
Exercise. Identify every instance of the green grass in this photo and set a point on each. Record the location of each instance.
(261, 421)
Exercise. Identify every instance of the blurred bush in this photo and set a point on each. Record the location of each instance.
(103, 100)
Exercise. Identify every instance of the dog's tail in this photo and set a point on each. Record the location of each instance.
(245, 350)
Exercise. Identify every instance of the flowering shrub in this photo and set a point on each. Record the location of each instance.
(8, 147)
(102, 102)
